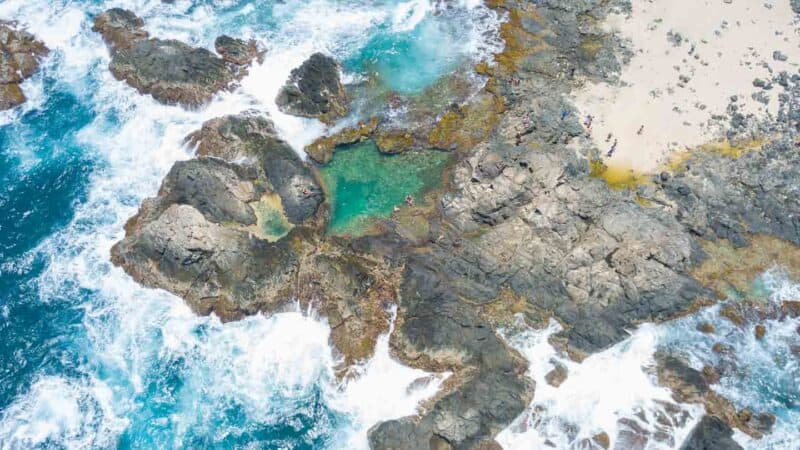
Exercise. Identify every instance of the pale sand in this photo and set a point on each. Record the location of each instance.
(725, 47)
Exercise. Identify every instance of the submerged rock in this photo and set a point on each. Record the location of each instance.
(169, 70)
(20, 56)
(557, 376)
(314, 90)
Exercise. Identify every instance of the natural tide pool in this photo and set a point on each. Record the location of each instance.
(363, 184)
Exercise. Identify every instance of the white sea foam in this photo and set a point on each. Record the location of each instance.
(382, 389)
(606, 387)
(762, 373)
(57, 410)
(407, 15)
(619, 382)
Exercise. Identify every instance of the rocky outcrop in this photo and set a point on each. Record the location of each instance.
(711, 433)
(321, 150)
(237, 51)
(718, 197)
(693, 386)
(20, 56)
(251, 141)
(169, 70)
(440, 331)
(209, 237)
(314, 90)
(523, 219)
(120, 28)
(203, 236)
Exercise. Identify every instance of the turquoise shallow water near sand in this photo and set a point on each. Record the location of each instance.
(89, 359)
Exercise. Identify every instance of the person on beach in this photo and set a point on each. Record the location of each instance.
(409, 200)
(612, 149)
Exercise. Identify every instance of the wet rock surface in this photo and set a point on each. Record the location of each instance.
(314, 90)
(711, 433)
(204, 237)
(200, 236)
(237, 51)
(20, 56)
(523, 216)
(169, 70)
(689, 385)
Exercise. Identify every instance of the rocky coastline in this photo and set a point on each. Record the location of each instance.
(20, 57)
(169, 70)
(529, 224)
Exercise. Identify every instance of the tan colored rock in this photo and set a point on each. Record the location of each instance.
(321, 150)
(732, 313)
(706, 327)
(791, 308)
(602, 440)
(556, 376)
(10, 96)
(722, 348)
(20, 56)
(711, 374)
(728, 266)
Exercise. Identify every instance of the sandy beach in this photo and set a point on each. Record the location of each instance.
(690, 60)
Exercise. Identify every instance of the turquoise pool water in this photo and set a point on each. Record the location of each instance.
(362, 184)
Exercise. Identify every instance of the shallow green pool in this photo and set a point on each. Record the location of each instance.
(363, 184)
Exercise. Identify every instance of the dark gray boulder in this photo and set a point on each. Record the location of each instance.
(711, 433)
(169, 70)
(314, 90)
(236, 51)
(251, 140)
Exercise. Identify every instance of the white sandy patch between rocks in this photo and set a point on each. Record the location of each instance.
(690, 57)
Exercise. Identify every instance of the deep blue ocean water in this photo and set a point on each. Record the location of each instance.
(89, 359)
